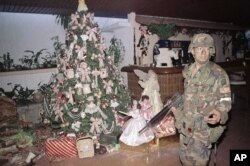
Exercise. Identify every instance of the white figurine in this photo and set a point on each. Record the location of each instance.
(165, 57)
(130, 135)
(149, 83)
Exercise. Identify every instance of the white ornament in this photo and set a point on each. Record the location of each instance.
(77, 75)
(76, 126)
(95, 73)
(79, 88)
(83, 115)
(104, 73)
(84, 37)
(74, 110)
(70, 73)
(86, 89)
(114, 103)
(93, 108)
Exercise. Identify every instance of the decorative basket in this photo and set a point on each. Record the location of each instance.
(85, 147)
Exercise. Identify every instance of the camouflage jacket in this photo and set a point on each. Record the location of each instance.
(207, 89)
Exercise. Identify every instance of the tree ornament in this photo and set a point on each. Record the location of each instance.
(96, 124)
(76, 126)
(83, 115)
(86, 89)
(79, 88)
(103, 73)
(70, 73)
(74, 110)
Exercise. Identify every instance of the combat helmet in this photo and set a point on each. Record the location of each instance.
(202, 40)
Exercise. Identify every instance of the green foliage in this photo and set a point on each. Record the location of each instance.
(116, 50)
(7, 62)
(63, 20)
(164, 31)
(20, 94)
(35, 55)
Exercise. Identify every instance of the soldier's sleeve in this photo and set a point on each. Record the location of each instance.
(223, 103)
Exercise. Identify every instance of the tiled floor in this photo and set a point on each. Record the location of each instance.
(237, 136)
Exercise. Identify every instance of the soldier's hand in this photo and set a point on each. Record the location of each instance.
(214, 117)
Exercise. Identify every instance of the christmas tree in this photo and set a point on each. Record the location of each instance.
(87, 90)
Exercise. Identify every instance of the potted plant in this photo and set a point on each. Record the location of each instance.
(20, 94)
(49, 60)
(26, 62)
(7, 63)
(35, 57)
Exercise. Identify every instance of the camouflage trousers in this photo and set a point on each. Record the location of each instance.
(194, 153)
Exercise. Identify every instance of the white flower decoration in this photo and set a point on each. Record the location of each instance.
(76, 126)
(83, 114)
(84, 37)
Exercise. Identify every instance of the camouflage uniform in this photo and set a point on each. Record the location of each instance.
(207, 89)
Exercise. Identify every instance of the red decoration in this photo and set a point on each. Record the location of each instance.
(61, 148)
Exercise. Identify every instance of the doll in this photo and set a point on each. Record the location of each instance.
(146, 108)
(130, 135)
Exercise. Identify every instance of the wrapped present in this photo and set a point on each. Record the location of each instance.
(85, 147)
(60, 148)
(165, 127)
(108, 139)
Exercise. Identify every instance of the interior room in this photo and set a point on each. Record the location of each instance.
(73, 71)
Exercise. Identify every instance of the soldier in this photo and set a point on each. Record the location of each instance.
(207, 101)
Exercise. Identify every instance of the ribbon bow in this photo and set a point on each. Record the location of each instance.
(92, 33)
(74, 19)
(69, 95)
(95, 125)
(80, 52)
(89, 17)
(59, 113)
(108, 86)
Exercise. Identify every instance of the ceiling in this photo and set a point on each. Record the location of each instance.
(235, 12)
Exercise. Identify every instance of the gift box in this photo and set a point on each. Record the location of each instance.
(165, 127)
(85, 147)
(108, 139)
(63, 147)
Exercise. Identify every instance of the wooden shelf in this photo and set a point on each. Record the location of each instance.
(157, 70)
(24, 72)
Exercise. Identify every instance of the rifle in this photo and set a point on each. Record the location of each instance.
(176, 100)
